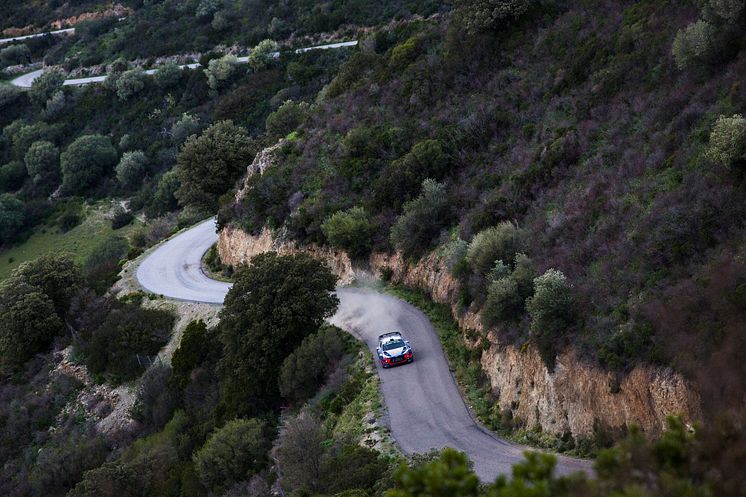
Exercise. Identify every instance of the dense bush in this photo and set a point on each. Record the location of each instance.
(500, 242)
(129, 83)
(551, 310)
(694, 46)
(121, 218)
(85, 160)
(274, 303)
(14, 54)
(102, 264)
(123, 346)
(349, 230)
(194, 348)
(12, 176)
(482, 15)
(289, 116)
(167, 76)
(315, 464)
(12, 216)
(728, 142)
(219, 71)
(46, 85)
(132, 168)
(186, 126)
(9, 95)
(304, 370)
(42, 161)
(423, 218)
(209, 164)
(28, 323)
(233, 453)
(155, 401)
(262, 55)
(507, 293)
(55, 275)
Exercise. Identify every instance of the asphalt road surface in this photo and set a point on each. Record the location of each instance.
(425, 408)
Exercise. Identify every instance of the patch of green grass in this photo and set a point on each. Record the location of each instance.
(79, 241)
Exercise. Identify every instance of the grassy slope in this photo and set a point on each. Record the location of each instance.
(79, 241)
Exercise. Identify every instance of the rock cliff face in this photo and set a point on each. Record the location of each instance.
(575, 397)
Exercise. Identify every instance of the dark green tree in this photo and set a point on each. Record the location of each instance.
(84, 162)
(12, 216)
(232, 453)
(42, 161)
(275, 302)
(349, 230)
(55, 275)
(193, 349)
(209, 164)
(28, 323)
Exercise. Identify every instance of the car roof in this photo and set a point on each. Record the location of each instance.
(388, 337)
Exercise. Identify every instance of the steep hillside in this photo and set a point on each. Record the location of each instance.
(576, 132)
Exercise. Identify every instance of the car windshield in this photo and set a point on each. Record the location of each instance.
(393, 344)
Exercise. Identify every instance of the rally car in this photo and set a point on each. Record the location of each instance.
(393, 349)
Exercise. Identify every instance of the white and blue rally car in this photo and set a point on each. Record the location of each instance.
(393, 350)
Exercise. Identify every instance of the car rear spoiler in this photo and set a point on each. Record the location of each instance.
(389, 334)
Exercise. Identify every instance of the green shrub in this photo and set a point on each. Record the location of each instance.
(132, 168)
(186, 126)
(155, 401)
(484, 15)
(507, 293)
(500, 242)
(121, 218)
(289, 116)
(167, 76)
(728, 142)
(194, 348)
(273, 305)
(422, 220)
(209, 164)
(102, 265)
(9, 95)
(12, 176)
(42, 161)
(551, 310)
(14, 54)
(46, 85)
(349, 230)
(56, 275)
(85, 160)
(219, 71)
(232, 453)
(729, 10)
(28, 323)
(129, 83)
(12, 217)
(694, 45)
(122, 347)
(303, 371)
(262, 55)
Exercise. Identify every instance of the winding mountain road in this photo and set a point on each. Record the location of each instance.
(27, 80)
(425, 407)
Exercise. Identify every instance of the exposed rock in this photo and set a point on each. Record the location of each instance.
(575, 397)
(261, 161)
(116, 10)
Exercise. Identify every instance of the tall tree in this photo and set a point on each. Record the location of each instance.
(209, 164)
(275, 302)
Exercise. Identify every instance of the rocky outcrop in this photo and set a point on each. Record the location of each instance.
(576, 397)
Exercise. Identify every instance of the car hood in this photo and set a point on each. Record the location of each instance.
(395, 352)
